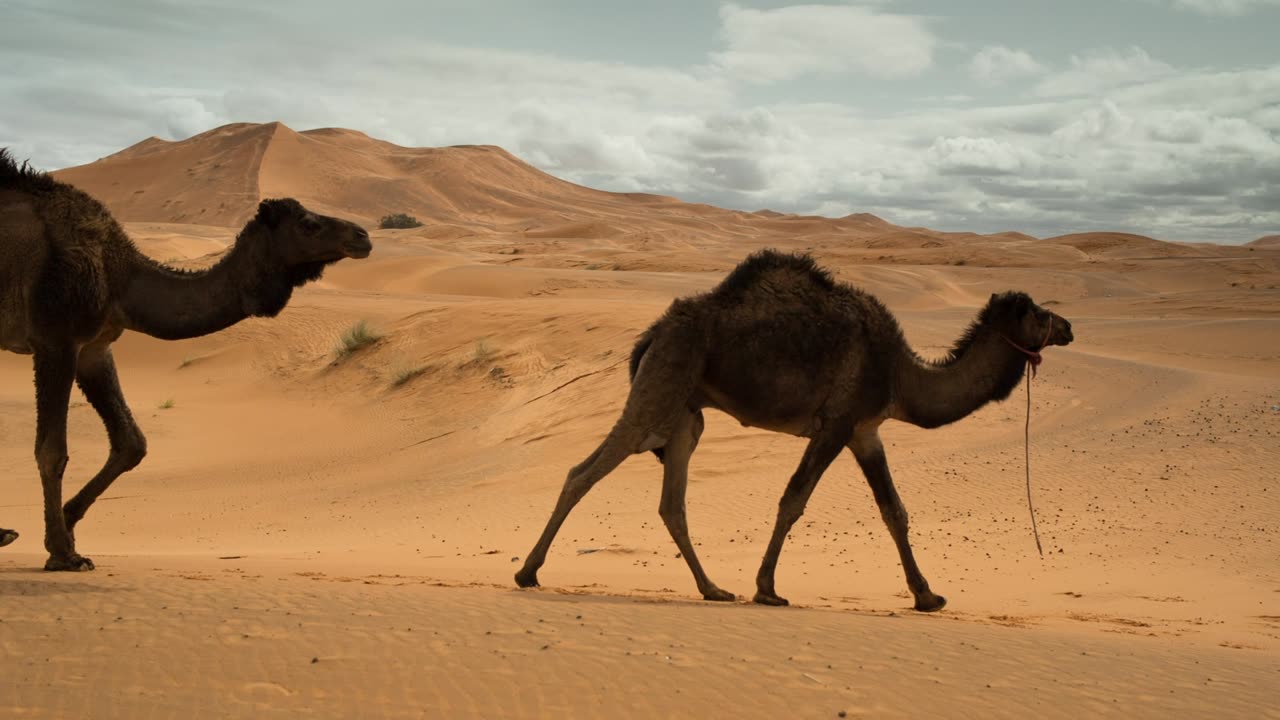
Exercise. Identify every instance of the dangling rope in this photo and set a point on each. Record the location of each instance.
(1033, 363)
(1031, 373)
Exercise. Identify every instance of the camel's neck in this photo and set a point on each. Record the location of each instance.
(172, 305)
(985, 367)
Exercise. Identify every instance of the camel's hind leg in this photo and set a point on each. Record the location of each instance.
(96, 374)
(608, 456)
(659, 397)
(675, 478)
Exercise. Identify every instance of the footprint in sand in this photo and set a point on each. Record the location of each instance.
(260, 693)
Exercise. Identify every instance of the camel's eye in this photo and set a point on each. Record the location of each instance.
(310, 224)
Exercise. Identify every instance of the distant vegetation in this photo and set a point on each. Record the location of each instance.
(358, 336)
(404, 375)
(398, 221)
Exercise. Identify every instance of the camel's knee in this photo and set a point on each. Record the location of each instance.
(673, 514)
(790, 515)
(582, 466)
(580, 480)
(677, 524)
(790, 509)
(895, 516)
(131, 452)
(576, 486)
(51, 458)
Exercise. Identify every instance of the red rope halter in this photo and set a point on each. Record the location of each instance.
(1034, 358)
(1033, 361)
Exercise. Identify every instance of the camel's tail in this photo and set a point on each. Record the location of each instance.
(637, 354)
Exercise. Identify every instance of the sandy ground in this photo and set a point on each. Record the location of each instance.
(309, 538)
(197, 637)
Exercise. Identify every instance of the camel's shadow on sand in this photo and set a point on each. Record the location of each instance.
(33, 581)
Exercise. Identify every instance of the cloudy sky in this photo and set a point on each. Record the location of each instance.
(1047, 116)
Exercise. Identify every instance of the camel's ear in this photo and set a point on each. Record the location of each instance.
(1011, 305)
(269, 213)
(1023, 307)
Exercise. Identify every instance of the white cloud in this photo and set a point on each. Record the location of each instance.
(1101, 69)
(997, 64)
(1187, 156)
(981, 156)
(1106, 121)
(571, 143)
(1221, 7)
(185, 116)
(764, 46)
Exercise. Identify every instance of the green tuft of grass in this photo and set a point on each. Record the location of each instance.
(167, 404)
(356, 338)
(484, 353)
(404, 375)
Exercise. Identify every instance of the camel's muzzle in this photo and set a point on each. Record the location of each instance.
(358, 246)
(1062, 334)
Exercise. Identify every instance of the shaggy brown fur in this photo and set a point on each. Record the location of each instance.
(71, 282)
(780, 345)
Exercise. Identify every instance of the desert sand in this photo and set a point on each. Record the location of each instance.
(310, 537)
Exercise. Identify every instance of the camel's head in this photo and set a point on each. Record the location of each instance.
(1016, 316)
(300, 237)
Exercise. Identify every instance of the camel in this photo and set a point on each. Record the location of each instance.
(71, 282)
(780, 345)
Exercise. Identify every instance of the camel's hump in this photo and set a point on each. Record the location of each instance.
(769, 264)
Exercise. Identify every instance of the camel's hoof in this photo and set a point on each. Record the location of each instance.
(69, 563)
(7, 536)
(930, 602)
(526, 579)
(770, 599)
(718, 595)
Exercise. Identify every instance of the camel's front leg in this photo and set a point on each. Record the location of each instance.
(55, 371)
(96, 374)
(821, 451)
(869, 451)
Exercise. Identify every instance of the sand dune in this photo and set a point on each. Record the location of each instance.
(337, 537)
(209, 180)
(1114, 245)
(336, 171)
(477, 189)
